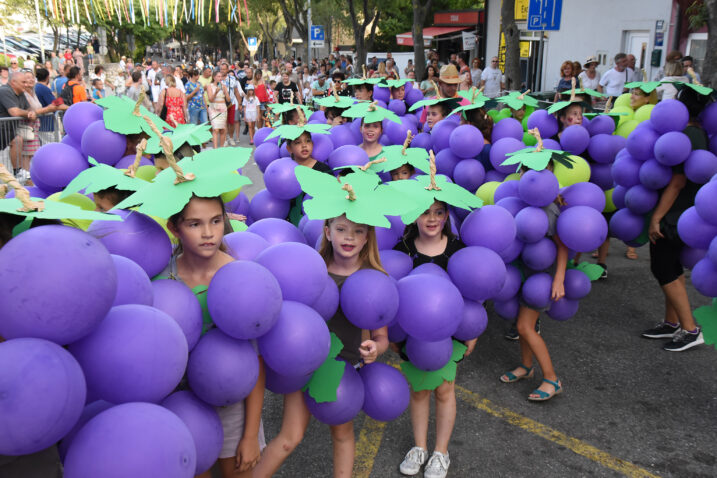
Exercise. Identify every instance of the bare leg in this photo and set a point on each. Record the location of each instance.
(676, 294)
(293, 426)
(16, 151)
(344, 449)
(222, 137)
(445, 415)
(215, 138)
(251, 132)
(602, 251)
(420, 409)
(532, 344)
(229, 469)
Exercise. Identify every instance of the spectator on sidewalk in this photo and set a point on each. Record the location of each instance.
(491, 79)
(13, 103)
(613, 81)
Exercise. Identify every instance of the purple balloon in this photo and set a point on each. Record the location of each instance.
(137, 237)
(546, 123)
(265, 153)
(704, 203)
(563, 309)
(88, 413)
(239, 205)
(603, 148)
(264, 206)
(669, 115)
(397, 106)
(672, 148)
(511, 286)
(507, 128)
(342, 135)
(133, 286)
(704, 277)
(50, 262)
(446, 162)
(312, 230)
(539, 255)
(421, 140)
(601, 175)
(284, 346)
(626, 225)
(536, 290)
(284, 150)
(507, 310)
(709, 118)
(577, 284)
(641, 141)
(582, 228)
(690, 256)
(126, 161)
(429, 356)
(43, 393)
(222, 370)
(538, 188)
(283, 384)
(700, 166)
(322, 147)
(413, 96)
(328, 302)
(54, 165)
(260, 137)
(102, 144)
(179, 302)
(78, 117)
(203, 423)
(280, 179)
(276, 231)
(396, 334)
(512, 204)
(499, 151)
(601, 125)
(575, 139)
(34, 191)
(430, 307)
(466, 141)
(299, 269)
(551, 144)
(655, 175)
(469, 174)
(712, 251)
(506, 189)
(347, 155)
(478, 272)
(626, 171)
(386, 238)
(396, 263)
(694, 231)
(397, 132)
(441, 134)
(244, 299)
(531, 225)
(640, 199)
(430, 268)
(500, 223)
(584, 194)
(70, 141)
(474, 322)
(133, 337)
(369, 299)
(318, 115)
(511, 253)
(386, 392)
(349, 400)
(245, 245)
(618, 197)
(381, 93)
(167, 444)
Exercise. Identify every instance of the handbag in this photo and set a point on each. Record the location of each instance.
(163, 113)
(25, 132)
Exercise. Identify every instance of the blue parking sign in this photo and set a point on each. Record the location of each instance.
(317, 32)
(251, 41)
(544, 14)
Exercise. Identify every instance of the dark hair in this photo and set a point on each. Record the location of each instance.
(288, 116)
(688, 58)
(175, 219)
(74, 72)
(425, 76)
(95, 81)
(290, 142)
(411, 231)
(619, 57)
(42, 74)
(694, 101)
(114, 195)
(98, 68)
(481, 120)
(136, 76)
(364, 86)
(445, 108)
(4, 68)
(334, 112)
(564, 112)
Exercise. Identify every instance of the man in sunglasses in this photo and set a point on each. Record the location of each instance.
(492, 79)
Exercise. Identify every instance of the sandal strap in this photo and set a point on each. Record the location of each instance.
(555, 384)
(541, 393)
(527, 369)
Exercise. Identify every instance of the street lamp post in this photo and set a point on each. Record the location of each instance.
(308, 24)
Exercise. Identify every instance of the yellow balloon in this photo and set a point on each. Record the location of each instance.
(628, 116)
(510, 177)
(609, 204)
(79, 200)
(643, 113)
(230, 195)
(579, 173)
(163, 222)
(146, 172)
(622, 100)
(487, 191)
(624, 129)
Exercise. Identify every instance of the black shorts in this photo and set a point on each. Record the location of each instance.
(665, 256)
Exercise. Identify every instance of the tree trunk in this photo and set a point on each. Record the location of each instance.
(369, 15)
(420, 11)
(513, 80)
(709, 68)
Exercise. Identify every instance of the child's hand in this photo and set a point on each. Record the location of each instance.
(368, 351)
(558, 290)
(248, 454)
(471, 344)
(236, 217)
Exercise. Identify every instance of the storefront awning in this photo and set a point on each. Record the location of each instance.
(406, 39)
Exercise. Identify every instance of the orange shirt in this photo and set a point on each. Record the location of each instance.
(78, 94)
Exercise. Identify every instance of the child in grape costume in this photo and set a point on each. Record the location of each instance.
(348, 245)
(372, 116)
(428, 239)
(187, 194)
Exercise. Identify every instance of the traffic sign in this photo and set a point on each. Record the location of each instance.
(251, 43)
(544, 14)
(317, 36)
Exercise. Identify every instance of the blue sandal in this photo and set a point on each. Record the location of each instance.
(543, 396)
(511, 377)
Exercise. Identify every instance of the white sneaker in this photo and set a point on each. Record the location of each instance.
(415, 458)
(22, 176)
(437, 466)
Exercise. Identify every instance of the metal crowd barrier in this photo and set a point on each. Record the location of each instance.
(14, 132)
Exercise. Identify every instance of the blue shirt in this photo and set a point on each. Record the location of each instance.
(44, 94)
(58, 84)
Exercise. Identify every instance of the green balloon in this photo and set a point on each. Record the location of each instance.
(529, 139)
(76, 199)
(510, 177)
(487, 192)
(579, 173)
(626, 128)
(504, 113)
(146, 172)
(529, 110)
(622, 100)
(609, 204)
(643, 113)
(525, 123)
(493, 114)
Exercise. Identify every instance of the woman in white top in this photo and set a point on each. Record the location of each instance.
(589, 77)
(476, 71)
(673, 72)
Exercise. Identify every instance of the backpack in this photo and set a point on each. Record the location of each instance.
(67, 93)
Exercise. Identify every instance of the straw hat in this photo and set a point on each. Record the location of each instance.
(591, 59)
(449, 74)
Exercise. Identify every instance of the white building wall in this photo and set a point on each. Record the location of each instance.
(590, 27)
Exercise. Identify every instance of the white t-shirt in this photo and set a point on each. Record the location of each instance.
(493, 78)
(588, 83)
(613, 82)
(250, 105)
(475, 76)
(151, 75)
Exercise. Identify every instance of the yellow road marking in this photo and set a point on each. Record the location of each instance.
(576, 446)
(367, 447)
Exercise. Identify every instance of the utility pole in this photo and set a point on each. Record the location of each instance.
(308, 40)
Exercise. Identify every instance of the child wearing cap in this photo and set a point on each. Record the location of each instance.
(251, 108)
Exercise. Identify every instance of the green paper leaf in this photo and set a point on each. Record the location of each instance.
(22, 226)
(55, 210)
(422, 380)
(278, 108)
(646, 86)
(362, 81)
(416, 157)
(238, 226)
(592, 271)
(291, 132)
(395, 83)
(191, 134)
(335, 102)
(558, 106)
(706, 317)
(537, 160)
(453, 103)
(119, 116)
(512, 100)
(102, 176)
(450, 193)
(325, 380)
(370, 113)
